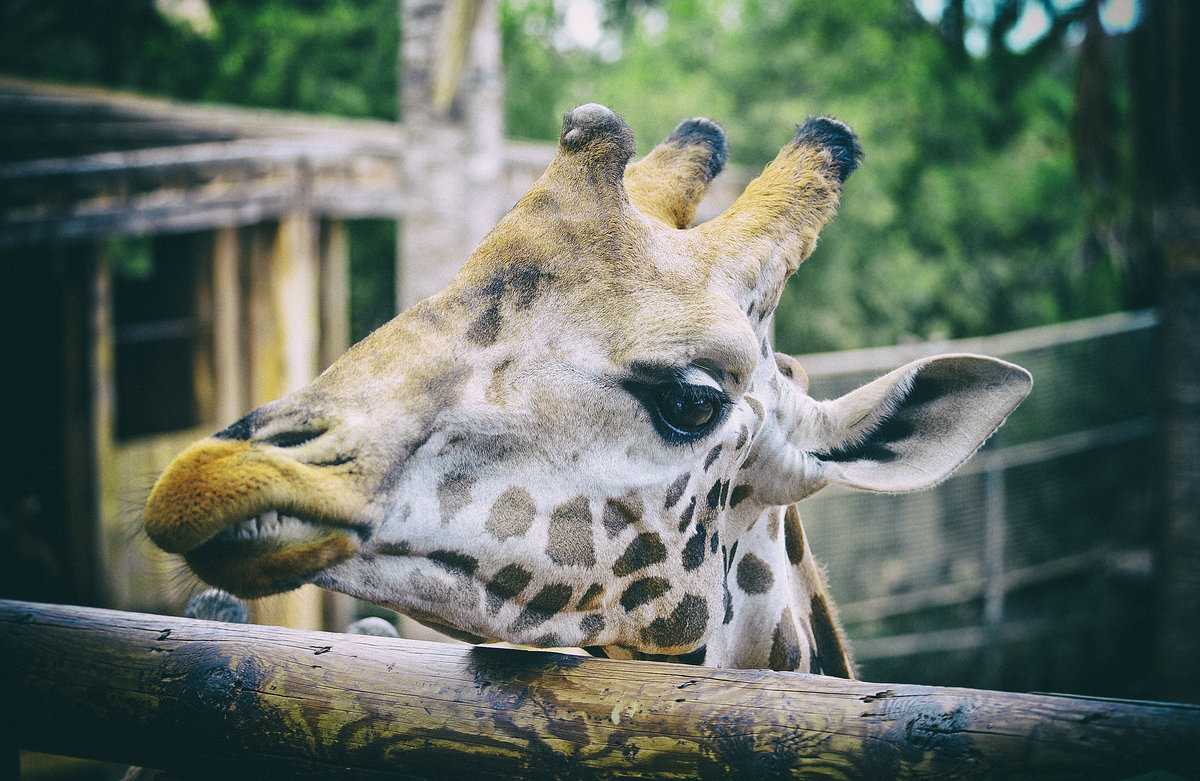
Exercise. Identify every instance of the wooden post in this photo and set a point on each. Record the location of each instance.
(259, 332)
(211, 700)
(295, 303)
(89, 409)
(284, 308)
(334, 292)
(1167, 122)
(229, 362)
(284, 315)
(995, 538)
(338, 610)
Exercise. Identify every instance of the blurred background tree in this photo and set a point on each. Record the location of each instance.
(994, 192)
(322, 56)
(995, 138)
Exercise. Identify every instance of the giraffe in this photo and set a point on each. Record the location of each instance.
(586, 438)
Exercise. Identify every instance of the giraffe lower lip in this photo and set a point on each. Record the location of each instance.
(273, 527)
(271, 553)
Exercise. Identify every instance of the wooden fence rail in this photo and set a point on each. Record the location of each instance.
(210, 700)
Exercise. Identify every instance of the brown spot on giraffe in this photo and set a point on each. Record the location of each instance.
(832, 658)
(676, 490)
(693, 551)
(591, 598)
(739, 494)
(689, 512)
(454, 561)
(569, 540)
(643, 590)
(785, 644)
(618, 514)
(683, 627)
(454, 492)
(645, 549)
(511, 514)
(507, 583)
(591, 625)
(544, 606)
(793, 536)
(512, 288)
(754, 575)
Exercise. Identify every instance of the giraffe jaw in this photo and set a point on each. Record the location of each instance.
(272, 553)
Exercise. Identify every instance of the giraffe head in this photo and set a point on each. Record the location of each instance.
(568, 445)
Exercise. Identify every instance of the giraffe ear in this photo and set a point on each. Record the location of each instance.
(912, 428)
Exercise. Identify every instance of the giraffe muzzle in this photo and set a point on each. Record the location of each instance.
(252, 520)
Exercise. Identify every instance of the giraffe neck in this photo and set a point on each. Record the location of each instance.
(778, 614)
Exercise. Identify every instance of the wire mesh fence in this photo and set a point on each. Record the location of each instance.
(1031, 568)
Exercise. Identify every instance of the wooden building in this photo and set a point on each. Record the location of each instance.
(164, 268)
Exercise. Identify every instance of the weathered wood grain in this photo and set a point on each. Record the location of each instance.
(221, 701)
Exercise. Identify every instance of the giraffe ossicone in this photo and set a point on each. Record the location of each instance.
(586, 439)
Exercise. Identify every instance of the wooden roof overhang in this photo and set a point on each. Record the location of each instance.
(80, 163)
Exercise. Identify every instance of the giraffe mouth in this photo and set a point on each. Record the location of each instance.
(272, 552)
(253, 521)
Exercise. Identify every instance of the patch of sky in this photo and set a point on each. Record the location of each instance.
(1117, 16)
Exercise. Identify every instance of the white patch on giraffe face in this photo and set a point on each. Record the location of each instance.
(461, 568)
(273, 528)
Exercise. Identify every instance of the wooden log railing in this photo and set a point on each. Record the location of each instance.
(210, 700)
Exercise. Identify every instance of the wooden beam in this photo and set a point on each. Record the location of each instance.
(74, 112)
(197, 187)
(204, 699)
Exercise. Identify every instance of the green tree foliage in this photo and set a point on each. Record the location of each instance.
(320, 56)
(967, 218)
(990, 198)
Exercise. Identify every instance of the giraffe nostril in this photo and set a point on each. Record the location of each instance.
(241, 430)
(295, 437)
(278, 431)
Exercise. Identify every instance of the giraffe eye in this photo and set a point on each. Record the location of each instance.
(682, 412)
(685, 413)
(686, 410)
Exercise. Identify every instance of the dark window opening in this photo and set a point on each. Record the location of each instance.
(372, 275)
(156, 333)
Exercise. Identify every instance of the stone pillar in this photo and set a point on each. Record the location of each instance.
(451, 109)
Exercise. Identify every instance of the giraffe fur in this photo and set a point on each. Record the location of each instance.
(586, 438)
